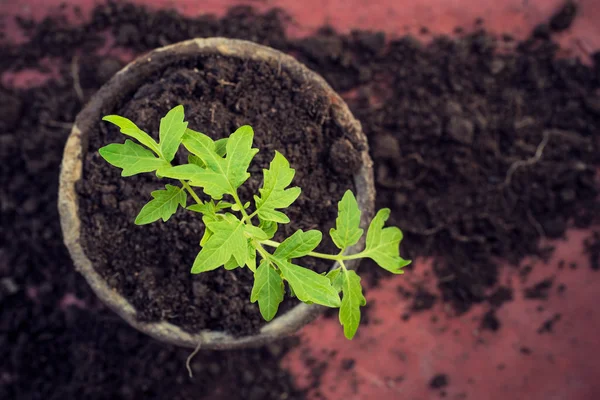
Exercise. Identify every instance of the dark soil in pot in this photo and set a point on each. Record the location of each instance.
(150, 265)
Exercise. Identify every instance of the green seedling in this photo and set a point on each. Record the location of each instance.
(238, 235)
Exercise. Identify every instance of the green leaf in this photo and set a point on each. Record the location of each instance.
(193, 159)
(239, 155)
(227, 240)
(298, 245)
(336, 278)
(222, 175)
(231, 264)
(251, 261)
(199, 145)
(309, 286)
(131, 157)
(347, 230)
(206, 208)
(235, 207)
(221, 147)
(205, 237)
(268, 227)
(352, 300)
(255, 232)
(268, 290)
(163, 205)
(273, 194)
(130, 129)
(383, 244)
(213, 184)
(172, 128)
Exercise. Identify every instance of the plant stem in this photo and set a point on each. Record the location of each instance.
(339, 257)
(191, 191)
(246, 217)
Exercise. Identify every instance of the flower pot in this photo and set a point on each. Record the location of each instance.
(100, 249)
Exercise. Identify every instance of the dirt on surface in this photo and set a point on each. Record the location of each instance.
(150, 265)
(481, 146)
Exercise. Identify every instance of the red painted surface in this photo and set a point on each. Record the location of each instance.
(396, 359)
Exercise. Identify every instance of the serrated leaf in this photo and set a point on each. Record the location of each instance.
(163, 205)
(268, 290)
(131, 129)
(251, 261)
(347, 231)
(299, 244)
(236, 207)
(172, 128)
(222, 175)
(131, 157)
(206, 208)
(231, 264)
(207, 234)
(352, 300)
(227, 240)
(269, 227)
(222, 205)
(273, 194)
(255, 232)
(383, 244)
(212, 183)
(336, 278)
(199, 144)
(309, 286)
(194, 159)
(221, 147)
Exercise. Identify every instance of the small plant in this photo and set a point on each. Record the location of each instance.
(232, 238)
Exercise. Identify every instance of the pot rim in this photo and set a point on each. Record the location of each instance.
(127, 80)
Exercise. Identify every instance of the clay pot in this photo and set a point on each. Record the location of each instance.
(132, 77)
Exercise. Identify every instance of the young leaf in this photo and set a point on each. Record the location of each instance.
(163, 205)
(207, 234)
(267, 290)
(251, 261)
(352, 300)
(347, 231)
(133, 158)
(172, 128)
(383, 244)
(255, 232)
(213, 184)
(231, 264)
(222, 175)
(227, 240)
(309, 286)
(193, 159)
(336, 278)
(298, 245)
(268, 227)
(130, 129)
(273, 194)
(239, 155)
(199, 145)
(221, 147)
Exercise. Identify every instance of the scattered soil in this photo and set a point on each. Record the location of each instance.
(439, 381)
(540, 290)
(548, 325)
(500, 296)
(150, 265)
(453, 127)
(592, 248)
(564, 17)
(490, 321)
(422, 300)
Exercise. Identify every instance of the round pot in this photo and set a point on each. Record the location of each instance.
(130, 78)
